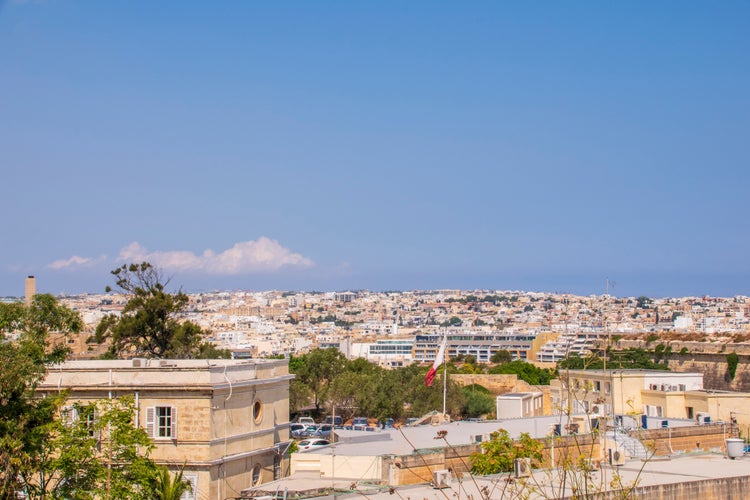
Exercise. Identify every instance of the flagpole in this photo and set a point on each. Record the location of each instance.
(445, 372)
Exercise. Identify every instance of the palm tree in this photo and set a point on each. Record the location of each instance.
(171, 488)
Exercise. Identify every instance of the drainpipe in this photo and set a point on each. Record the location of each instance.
(223, 462)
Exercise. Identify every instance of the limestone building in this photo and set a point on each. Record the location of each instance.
(226, 420)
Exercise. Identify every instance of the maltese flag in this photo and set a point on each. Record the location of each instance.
(433, 369)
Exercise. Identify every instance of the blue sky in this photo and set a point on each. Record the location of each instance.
(377, 145)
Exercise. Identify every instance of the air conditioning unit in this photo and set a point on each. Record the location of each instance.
(616, 457)
(139, 362)
(522, 467)
(441, 478)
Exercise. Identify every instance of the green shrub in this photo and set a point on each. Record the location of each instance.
(732, 361)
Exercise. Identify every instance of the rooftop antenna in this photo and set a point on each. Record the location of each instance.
(608, 284)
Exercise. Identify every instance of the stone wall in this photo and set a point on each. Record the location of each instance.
(709, 358)
(715, 370)
(504, 383)
(496, 384)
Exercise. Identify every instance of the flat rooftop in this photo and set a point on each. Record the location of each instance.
(405, 440)
(164, 373)
(546, 483)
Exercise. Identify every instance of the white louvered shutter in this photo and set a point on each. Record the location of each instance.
(174, 423)
(193, 494)
(150, 421)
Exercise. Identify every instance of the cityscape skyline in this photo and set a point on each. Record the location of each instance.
(331, 146)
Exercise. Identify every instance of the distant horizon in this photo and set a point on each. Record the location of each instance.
(194, 286)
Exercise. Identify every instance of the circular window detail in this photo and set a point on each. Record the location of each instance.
(256, 475)
(258, 412)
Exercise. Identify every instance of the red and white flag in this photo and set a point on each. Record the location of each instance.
(433, 369)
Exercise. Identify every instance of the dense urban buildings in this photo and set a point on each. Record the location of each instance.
(398, 328)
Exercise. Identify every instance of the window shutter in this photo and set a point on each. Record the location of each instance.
(193, 493)
(174, 423)
(69, 415)
(95, 423)
(150, 421)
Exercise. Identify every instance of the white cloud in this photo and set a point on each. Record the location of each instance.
(261, 255)
(74, 261)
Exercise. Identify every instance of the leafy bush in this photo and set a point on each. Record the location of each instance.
(499, 453)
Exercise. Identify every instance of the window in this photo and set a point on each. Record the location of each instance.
(161, 422)
(80, 414)
(87, 415)
(258, 411)
(256, 475)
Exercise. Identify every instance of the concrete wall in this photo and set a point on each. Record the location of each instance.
(709, 489)
(418, 468)
(665, 442)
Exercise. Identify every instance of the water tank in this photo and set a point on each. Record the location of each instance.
(735, 447)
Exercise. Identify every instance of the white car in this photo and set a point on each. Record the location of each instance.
(312, 444)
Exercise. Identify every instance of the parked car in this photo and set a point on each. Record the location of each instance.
(309, 431)
(311, 444)
(305, 421)
(359, 424)
(296, 429)
(323, 430)
(338, 421)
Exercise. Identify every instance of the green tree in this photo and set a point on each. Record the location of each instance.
(643, 301)
(525, 371)
(27, 422)
(48, 450)
(316, 370)
(501, 356)
(453, 321)
(478, 402)
(150, 324)
(95, 451)
(500, 452)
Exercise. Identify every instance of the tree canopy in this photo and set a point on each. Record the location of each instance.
(325, 378)
(151, 324)
(52, 449)
(26, 421)
(525, 371)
